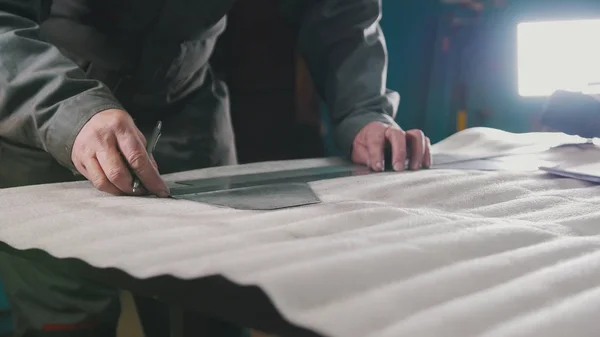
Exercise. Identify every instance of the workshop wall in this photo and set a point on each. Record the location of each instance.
(475, 68)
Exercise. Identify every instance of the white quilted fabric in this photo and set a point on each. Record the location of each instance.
(429, 253)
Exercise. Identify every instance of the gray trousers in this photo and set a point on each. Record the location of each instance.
(46, 302)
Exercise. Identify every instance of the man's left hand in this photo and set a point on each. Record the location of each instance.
(369, 143)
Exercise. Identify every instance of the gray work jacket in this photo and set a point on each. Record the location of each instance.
(62, 61)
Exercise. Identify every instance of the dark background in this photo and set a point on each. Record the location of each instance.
(274, 108)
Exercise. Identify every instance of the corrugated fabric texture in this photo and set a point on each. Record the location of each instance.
(429, 253)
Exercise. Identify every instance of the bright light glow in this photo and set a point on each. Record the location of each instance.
(558, 55)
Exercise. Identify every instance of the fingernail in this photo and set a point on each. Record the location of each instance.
(398, 167)
(164, 194)
(379, 166)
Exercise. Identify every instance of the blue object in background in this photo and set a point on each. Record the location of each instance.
(410, 29)
(5, 318)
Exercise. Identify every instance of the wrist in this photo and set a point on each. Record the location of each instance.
(71, 116)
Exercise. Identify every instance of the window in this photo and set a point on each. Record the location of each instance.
(558, 55)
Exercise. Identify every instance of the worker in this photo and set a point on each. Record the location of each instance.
(82, 81)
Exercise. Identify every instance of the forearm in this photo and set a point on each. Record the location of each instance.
(45, 98)
(347, 56)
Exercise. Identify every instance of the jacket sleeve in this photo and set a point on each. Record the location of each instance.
(345, 49)
(45, 99)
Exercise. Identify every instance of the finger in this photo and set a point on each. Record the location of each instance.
(96, 176)
(141, 136)
(141, 190)
(397, 138)
(375, 144)
(427, 161)
(137, 158)
(416, 140)
(116, 170)
(143, 140)
(80, 168)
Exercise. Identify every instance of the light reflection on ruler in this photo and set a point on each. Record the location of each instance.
(268, 178)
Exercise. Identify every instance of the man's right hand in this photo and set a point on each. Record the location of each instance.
(105, 149)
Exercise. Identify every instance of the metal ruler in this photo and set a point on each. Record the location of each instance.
(205, 185)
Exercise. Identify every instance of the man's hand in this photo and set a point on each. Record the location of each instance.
(369, 143)
(105, 150)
